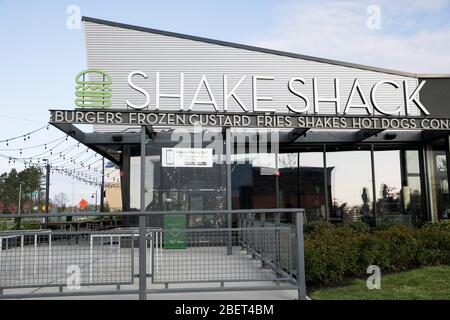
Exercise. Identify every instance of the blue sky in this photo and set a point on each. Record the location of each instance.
(40, 56)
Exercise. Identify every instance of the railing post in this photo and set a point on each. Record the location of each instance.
(277, 222)
(253, 234)
(229, 191)
(1, 248)
(142, 226)
(240, 233)
(301, 284)
(263, 237)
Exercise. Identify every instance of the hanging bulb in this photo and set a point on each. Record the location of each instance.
(24, 138)
(67, 137)
(20, 151)
(46, 147)
(28, 137)
(7, 143)
(47, 127)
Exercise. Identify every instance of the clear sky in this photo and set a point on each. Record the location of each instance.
(40, 55)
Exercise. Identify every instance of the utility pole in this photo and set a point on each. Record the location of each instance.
(73, 195)
(102, 187)
(95, 195)
(47, 187)
(20, 198)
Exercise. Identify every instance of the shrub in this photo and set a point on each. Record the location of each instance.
(337, 254)
(327, 259)
(360, 226)
(317, 226)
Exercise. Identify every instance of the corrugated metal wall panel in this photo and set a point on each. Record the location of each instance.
(120, 51)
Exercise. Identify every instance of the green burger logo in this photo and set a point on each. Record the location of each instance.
(93, 89)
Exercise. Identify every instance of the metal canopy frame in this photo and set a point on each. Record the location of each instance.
(364, 134)
(296, 133)
(107, 144)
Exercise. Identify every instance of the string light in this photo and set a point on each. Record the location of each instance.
(82, 170)
(24, 135)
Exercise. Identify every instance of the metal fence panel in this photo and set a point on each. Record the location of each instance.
(204, 256)
(36, 259)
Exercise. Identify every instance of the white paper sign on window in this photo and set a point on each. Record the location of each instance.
(187, 157)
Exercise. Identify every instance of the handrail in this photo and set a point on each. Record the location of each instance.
(144, 213)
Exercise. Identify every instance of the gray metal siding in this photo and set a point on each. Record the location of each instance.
(120, 51)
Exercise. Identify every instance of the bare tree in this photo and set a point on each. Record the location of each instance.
(60, 201)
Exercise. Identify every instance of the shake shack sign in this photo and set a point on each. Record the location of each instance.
(249, 101)
(249, 120)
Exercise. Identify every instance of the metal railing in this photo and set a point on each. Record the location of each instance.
(204, 257)
(35, 259)
(109, 261)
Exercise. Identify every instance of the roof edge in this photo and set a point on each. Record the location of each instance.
(434, 75)
(260, 49)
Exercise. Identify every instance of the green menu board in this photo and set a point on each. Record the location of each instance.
(173, 237)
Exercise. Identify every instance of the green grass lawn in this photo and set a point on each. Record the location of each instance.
(428, 283)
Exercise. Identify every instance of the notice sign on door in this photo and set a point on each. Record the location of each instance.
(187, 157)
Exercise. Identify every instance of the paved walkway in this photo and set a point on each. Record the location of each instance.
(39, 266)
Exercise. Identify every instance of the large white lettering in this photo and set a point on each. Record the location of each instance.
(298, 94)
(257, 98)
(336, 100)
(139, 89)
(211, 101)
(159, 95)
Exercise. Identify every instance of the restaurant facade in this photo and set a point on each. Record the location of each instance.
(230, 126)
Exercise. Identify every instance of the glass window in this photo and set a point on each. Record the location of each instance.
(413, 203)
(349, 185)
(437, 168)
(312, 193)
(288, 183)
(253, 181)
(388, 184)
(179, 188)
(398, 185)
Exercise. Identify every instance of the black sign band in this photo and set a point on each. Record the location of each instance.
(249, 120)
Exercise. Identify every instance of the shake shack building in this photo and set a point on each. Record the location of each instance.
(241, 127)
